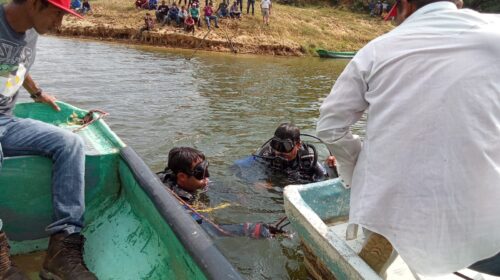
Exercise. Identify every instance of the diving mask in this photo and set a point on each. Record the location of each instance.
(200, 171)
(282, 145)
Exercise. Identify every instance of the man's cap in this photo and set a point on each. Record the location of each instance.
(65, 5)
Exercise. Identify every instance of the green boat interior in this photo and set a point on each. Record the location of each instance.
(127, 234)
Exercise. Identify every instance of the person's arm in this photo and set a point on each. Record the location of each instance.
(38, 94)
(341, 109)
(252, 230)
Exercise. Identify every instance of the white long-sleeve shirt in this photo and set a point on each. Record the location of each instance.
(427, 176)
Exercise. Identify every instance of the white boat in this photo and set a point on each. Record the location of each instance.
(319, 213)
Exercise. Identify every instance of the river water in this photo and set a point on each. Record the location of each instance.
(223, 104)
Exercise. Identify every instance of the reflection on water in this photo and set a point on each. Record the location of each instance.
(224, 105)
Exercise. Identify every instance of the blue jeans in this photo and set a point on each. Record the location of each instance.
(250, 3)
(208, 18)
(66, 149)
(489, 266)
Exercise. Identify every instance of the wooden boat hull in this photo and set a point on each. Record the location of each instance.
(134, 228)
(332, 54)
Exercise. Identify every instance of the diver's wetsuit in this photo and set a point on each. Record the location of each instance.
(305, 168)
(253, 230)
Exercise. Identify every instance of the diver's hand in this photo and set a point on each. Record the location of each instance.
(275, 230)
(331, 161)
(49, 100)
(263, 185)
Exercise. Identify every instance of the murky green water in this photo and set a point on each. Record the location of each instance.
(225, 105)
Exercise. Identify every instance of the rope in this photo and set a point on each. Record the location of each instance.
(182, 202)
(229, 40)
(218, 207)
(199, 44)
(88, 119)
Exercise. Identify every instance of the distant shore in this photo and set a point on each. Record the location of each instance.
(293, 31)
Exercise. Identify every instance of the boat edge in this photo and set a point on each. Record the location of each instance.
(190, 234)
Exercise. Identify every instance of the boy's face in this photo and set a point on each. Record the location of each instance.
(285, 148)
(290, 155)
(191, 183)
(45, 19)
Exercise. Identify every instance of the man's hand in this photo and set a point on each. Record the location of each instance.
(331, 161)
(49, 100)
(263, 185)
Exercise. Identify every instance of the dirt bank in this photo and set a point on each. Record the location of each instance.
(203, 40)
(293, 31)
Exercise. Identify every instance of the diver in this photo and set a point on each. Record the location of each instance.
(187, 176)
(287, 155)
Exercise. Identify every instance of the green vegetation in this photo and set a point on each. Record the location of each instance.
(490, 6)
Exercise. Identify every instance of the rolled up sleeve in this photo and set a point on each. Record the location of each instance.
(343, 107)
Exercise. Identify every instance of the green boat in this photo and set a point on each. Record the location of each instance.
(332, 54)
(135, 228)
(319, 213)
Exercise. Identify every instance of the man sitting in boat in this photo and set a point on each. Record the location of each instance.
(287, 155)
(186, 176)
(20, 23)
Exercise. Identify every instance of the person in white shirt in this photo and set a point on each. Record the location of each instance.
(265, 6)
(427, 175)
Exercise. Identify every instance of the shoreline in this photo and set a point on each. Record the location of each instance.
(176, 39)
(293, 31)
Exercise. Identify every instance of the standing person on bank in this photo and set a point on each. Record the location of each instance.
(265, 7)
(250, 3)
(20, 23)
(427, 175)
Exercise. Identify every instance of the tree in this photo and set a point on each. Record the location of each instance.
(490, 6)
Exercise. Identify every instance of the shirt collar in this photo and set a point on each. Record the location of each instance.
(430, 8)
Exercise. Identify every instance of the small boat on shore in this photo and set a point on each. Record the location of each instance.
(333, 54)
(135, 228)
(319, 213)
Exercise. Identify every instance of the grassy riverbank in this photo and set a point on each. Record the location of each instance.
(293, 30)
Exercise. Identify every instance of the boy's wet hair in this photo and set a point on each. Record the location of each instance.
(180, 159)
(288, 131)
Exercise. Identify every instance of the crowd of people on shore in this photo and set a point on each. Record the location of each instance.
(191, 15)
(379, 8)
(81, 7)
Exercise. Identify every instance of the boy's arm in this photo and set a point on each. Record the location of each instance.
(38, 94)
